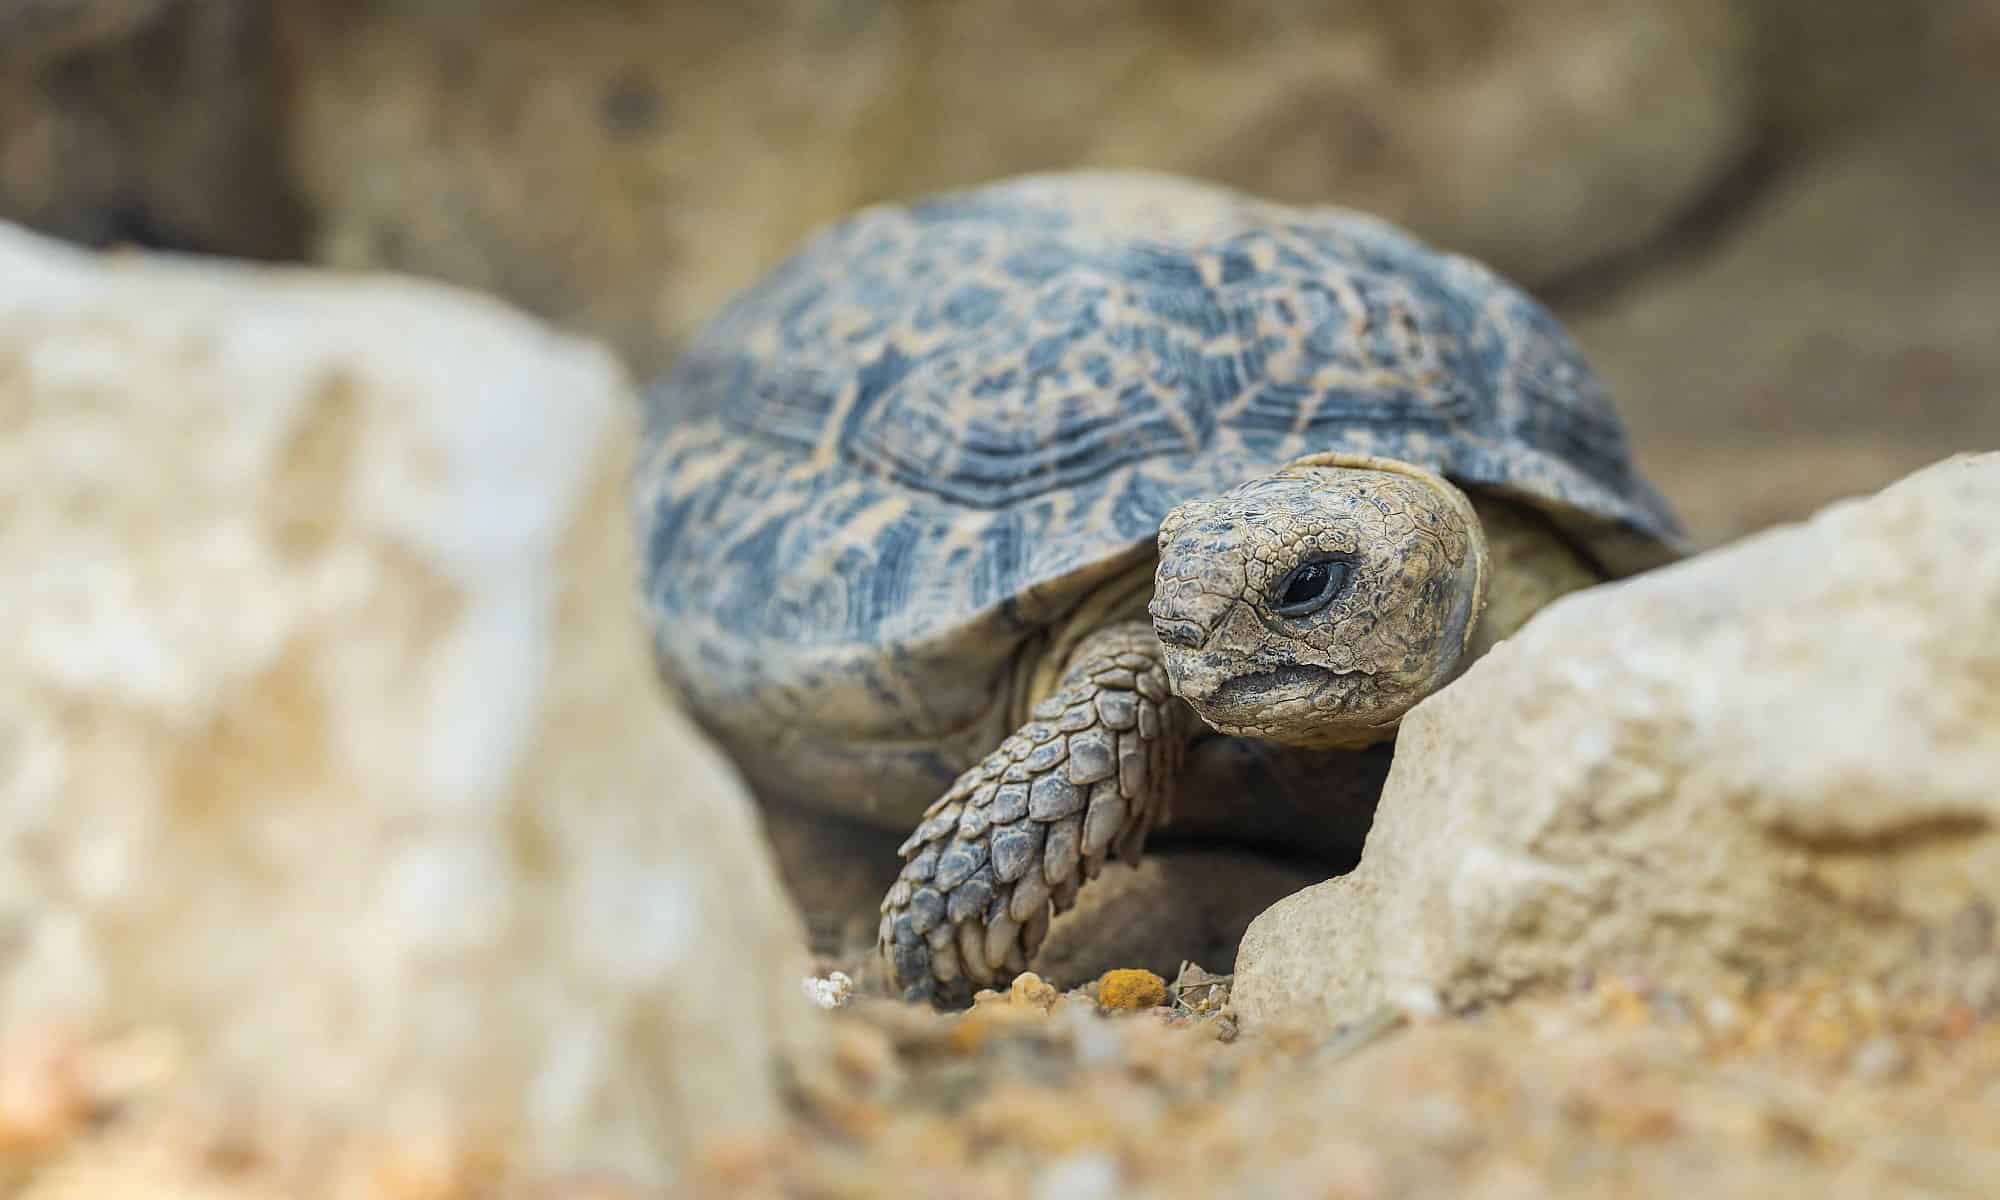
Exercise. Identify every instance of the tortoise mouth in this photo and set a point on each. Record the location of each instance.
(1296, 705)
(1263, 690)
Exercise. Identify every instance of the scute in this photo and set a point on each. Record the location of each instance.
(926, 435)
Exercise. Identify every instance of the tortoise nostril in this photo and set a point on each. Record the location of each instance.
(1185, 634)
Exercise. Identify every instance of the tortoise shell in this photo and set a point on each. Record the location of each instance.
(881, 471)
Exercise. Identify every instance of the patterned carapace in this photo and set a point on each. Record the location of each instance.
(893, 461)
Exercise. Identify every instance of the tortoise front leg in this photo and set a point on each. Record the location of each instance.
(1015, 837)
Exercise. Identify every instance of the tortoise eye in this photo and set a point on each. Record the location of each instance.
(1311, 586)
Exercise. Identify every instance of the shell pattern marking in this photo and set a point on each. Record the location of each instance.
(929, 431)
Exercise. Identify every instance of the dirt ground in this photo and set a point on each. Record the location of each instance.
(1612, 1088)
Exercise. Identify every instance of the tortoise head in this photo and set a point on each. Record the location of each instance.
(1315, 605)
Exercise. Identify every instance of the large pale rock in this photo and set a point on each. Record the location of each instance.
(330, 743)
(1775, 760)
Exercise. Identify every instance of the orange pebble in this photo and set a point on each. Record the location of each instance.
(1131, 988)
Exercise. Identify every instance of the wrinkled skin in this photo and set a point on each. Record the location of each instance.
(1404, 567)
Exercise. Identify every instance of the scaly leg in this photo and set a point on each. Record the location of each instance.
(1013, 839)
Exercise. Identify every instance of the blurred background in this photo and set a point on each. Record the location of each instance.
(1773, 224)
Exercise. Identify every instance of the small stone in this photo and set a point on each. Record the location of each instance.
(1030, 991)
(1092, 1175)
(1879, 1060)
(832, 991)
(1130, 988)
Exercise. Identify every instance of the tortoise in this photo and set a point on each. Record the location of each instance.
(1028, 514)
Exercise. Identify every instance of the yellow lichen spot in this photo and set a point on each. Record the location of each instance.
(1131, 988)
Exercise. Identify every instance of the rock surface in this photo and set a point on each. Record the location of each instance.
(618, 168)
(35, 31)
(1773, 761)
(330, 748)
(1620, 1089)
(624, 170)
(1836, 334)
(149, 122)
(1429, 113)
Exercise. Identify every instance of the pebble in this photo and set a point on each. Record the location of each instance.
(1029, 990)
(1879, 1060)
(833, 991)
(1130, 987)
(1078, 1177)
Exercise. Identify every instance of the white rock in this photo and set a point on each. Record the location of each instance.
(1777, 759)
(330, 740)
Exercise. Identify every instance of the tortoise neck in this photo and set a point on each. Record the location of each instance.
(1042, 663)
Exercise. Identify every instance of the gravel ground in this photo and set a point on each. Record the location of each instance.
(1828, 1091)
(1610, 1089)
